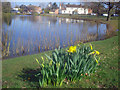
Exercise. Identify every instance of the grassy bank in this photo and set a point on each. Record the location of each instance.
(19, 72)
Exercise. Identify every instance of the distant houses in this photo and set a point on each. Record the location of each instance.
(23, 9)
(30, 9)
(62, 9)
(34, 9)
(57, 11)
(71, 9)
(54, 11)
(74, 9)
(15, 10)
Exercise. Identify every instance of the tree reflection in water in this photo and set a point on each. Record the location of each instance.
(29, 34)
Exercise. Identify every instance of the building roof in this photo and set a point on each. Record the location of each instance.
(63, 8)
(75, 6)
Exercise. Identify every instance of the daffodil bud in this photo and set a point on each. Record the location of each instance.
(91, 47)
(43, 65)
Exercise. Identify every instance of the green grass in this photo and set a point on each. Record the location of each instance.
(84, 17)
(16, 71)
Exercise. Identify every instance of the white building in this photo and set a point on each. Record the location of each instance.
(74, 9)
(15, 10)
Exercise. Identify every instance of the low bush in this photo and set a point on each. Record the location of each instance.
(67, 65)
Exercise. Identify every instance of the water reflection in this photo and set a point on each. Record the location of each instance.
(7, 19)
(28, 18)
(33, 34)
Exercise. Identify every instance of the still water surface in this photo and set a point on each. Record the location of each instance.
(25, 34)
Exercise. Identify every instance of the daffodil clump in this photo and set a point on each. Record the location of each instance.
(71, 64)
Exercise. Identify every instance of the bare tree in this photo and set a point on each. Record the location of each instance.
(117, 8)
(110, 6)
(97, 7)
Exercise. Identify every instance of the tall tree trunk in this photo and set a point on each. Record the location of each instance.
(108, 15)
(110, 6)
(108, 12)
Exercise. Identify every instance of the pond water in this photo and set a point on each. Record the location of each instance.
(27, 34)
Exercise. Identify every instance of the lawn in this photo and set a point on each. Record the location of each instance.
(17, 71)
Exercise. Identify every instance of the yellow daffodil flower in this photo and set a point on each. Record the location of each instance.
(96, 60)
(91, 47)
(42, 59)
(97, 52)
(92, 53)
(72, 49)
